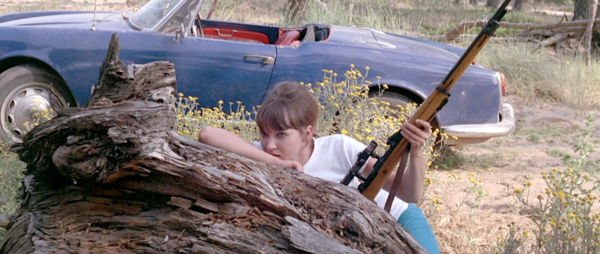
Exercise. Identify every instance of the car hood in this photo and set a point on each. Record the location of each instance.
(393, 42)
(60, 18)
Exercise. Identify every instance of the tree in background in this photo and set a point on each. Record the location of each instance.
(466, 2)
(493, 3)
(582, 12)
(582, 9)
(523, 5)
(296, 12)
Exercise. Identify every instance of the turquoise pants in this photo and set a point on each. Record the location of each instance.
(413, 220)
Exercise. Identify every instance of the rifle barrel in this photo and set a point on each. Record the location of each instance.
(433, 104)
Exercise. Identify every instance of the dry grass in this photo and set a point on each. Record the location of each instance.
(11, 6)
(467, 216)
(11, 169)
(531, 73)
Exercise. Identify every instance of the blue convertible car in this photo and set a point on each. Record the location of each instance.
(52, 59)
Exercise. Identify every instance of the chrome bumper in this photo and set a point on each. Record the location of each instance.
(477, 133)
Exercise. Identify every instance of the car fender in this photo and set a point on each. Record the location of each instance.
(476, 97)
(19, 59)
(400, 86)
(11, 59)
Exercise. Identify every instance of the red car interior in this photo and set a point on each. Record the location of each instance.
(236, 35)
(286, 37)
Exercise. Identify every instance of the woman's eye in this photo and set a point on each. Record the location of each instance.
(281, 134)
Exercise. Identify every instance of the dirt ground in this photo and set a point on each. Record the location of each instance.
(464, 222)
(541, 127)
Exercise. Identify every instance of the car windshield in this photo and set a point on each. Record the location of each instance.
(152, 12)
(165, 16)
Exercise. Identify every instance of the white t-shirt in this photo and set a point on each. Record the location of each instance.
(331, 159)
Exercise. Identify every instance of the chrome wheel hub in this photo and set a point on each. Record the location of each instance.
(25, 107)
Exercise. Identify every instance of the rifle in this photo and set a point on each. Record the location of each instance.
(397, 152)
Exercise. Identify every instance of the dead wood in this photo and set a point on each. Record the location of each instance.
(552, 40)
(535, 32)
(115, 177)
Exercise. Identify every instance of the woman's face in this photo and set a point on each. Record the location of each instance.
(285, 145)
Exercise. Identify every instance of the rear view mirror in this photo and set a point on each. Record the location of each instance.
(180, 33)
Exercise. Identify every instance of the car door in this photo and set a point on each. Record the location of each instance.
(210, 69)
(225, 70)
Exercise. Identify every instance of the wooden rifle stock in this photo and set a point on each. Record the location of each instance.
(434, 102)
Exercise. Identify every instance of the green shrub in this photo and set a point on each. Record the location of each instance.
(563, 216)
(11, 173)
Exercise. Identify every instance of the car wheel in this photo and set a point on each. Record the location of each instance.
(399, 99)
(28, 95)
(394, 99)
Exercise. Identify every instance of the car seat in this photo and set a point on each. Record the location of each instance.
(287, 38)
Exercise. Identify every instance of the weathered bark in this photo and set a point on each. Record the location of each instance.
(115, 177)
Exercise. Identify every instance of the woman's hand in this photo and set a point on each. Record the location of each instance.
(415, 135)
(290, 164)
(411, 187)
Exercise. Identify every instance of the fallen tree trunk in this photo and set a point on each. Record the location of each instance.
(538, 31)
(115, 177)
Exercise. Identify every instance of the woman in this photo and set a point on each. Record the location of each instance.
(287, 119)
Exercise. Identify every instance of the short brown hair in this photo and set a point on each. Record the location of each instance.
(289, 105)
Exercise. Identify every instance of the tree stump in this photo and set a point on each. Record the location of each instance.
(115, 177)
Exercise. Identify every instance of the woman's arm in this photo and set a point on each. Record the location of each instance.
(230, 142)
(411, 187)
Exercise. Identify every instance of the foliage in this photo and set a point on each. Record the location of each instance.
(345, 108)
(534, 75)
(191, 119)
(564, 219)
(12, 168)
(11, 172)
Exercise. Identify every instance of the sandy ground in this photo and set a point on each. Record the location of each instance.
(503, 165)
(465, 223)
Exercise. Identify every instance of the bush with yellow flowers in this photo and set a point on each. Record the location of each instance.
(191, 119)
(563, 216)
(346, 107)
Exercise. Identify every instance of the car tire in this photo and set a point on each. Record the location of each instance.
(395, 99)
(24, 91)
(402, 100)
